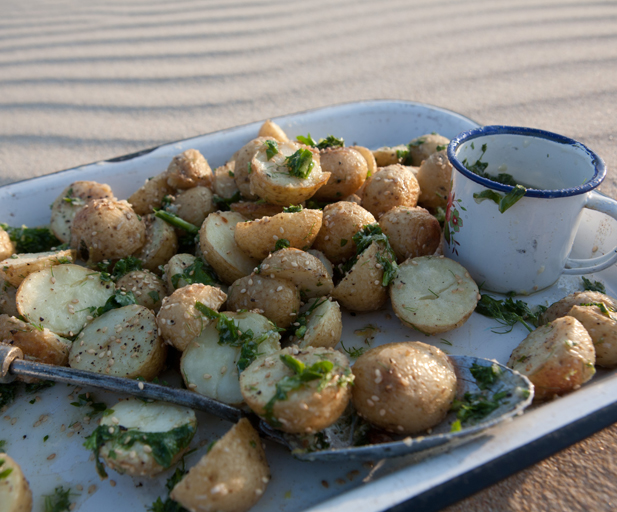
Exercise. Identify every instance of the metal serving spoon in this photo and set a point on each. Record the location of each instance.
(334, 443)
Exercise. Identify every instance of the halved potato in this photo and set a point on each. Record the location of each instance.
(211, 368)
(148, 437)
(368, 156)
(311, 406)
(19, 266)
(224, 180)
(435, 180)
(60, 297)
(15, 493)
(563, 306)
(272, 180)
(150, 195)
(219, 248)
(175, 269)
(276, 299)
(254, 211)
(557, 357)
(160, 245)
(70, 201)
(179, 321)
(36, 342)
(433, 294)
(321, 324)
(242, 166)
(304, 270)
(231, 477)
(194, 205)
(258, 238)
(123, 342)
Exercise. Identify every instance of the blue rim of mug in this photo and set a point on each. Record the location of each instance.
(483, 131)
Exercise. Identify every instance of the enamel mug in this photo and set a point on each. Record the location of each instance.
(517, 237)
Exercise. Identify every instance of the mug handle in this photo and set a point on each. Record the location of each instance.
(608, 206)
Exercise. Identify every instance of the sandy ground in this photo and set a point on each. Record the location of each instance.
(84, 81)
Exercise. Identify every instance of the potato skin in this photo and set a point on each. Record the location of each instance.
(557, 357)
(561, 307)
(412, 232)
(160, 245)
(341, 221)
(148, 288)
(435, 180)
(272, 130)
(194, 205)
(150, 195)
(107, 230)
(19, 266)
(15, 493)
(224, 180)
(277, 299)
(424, 146)
(258, 238)
(179, 321)
(231, 477)
(403, 387)
(242, 159)
(8, 295)
(386, 156)
(189, 169)
(348, 171)
(306, 409)
(324, 325)
(603, 332)
(392, 186)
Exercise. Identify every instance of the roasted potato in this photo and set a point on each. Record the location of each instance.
(258, 238)
(174, 270)
(189, 169)
(211, 363)
(424, 146)
(231, 477)
(19, 266)
(160, 245)
(7, 247)
(304, 270)
(412, 232)
(105, 229)
(123, 342)
(256, 210)
(242, 166)
(194, 205)
(148, 288)
(219, 248)
(178, 320)
(310, 407)
(36, 342)
(320, 324)
(563, 306)
(272, 130)
(392, 186)
(8, 294)
(276, 299)
(279, 181)
(341, 221)
(403, 387)
(386, 156)
(433, 294)
(224, 181)
(150, 195)
(348, 171)
(368, 156)
(558, 357)
(15, 493)
(601, 324)
(147, 437)
(435, 180)
(60, 297)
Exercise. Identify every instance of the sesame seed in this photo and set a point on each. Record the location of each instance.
(52, 456)
(382, 412)
(140, 385)
(147, 448)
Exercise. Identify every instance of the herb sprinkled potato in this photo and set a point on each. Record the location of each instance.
(7, 247)
(194, 205)
(392, 186)
(424, 146)
(224, 181)
(19, 266)
(160, 245)
(15, 493)
(435, 180)
(231, 477)
(563, 306)
(557, 357)
(242, 165)
(601, 324)
(148, 288)
(272, 130)
(142, 438)
(403, 387)
(319, 324)
(412, 232)
(299, 391)
(150, 195)
(105, 229)
(189, 169)
(348, 171)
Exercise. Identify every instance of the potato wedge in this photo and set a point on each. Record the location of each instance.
(557, 357)
(211, 368)
(276, 299)
(321, 324)
(123, 342)
(231, 477)
(258, 238)
(224, 181)
(70, 201)
(160, 245)
(37, 343)
(403, 387)
(146, 437)
(179, 321)
(242, 165)
(218, 245)
(433, 294)
(313, 404)
(59, 298)
(15, 493)
(19, 266)
(276, 182)
(601, 324)
(304, 270)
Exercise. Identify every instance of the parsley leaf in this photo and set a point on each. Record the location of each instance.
(292, 209)
(118, 300)
(282, 243)
(224, 203)
(198, 272)
(32, 240)
(59, 501)
(307, 141)
(272, 148)
(300, 164)
(508, 312)
(595, 286)
(485, 376)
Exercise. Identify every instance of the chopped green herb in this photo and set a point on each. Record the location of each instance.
(31, 240)
(224, 203)
(2, 445)
(443, 340)
(126, 266)
(440, 215)
(88, 399)
(292, 209)
(504, 202)
(479, 168)
(170, 505)
(154, 295)
(330, 142)
(282, 243)
(231, 174)
(304, 318)
(45, 438)
(485, 376)
(118, 300)
(307, 141)
(175, 221)
(7, 393)
(508, 312)
(440, 148)
(475, 406)
(456, 426)
(300, 164)
(72, 200)
(404, 156)
(343, 242)
(59, 501)
(197, 272)
(606, 311)
(6, 472)
(595, 286)
(385, 255)
(272, 148)
(167, 201)
(353, 352)
(417, 142)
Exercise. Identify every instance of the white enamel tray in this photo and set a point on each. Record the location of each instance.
(296, 485)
